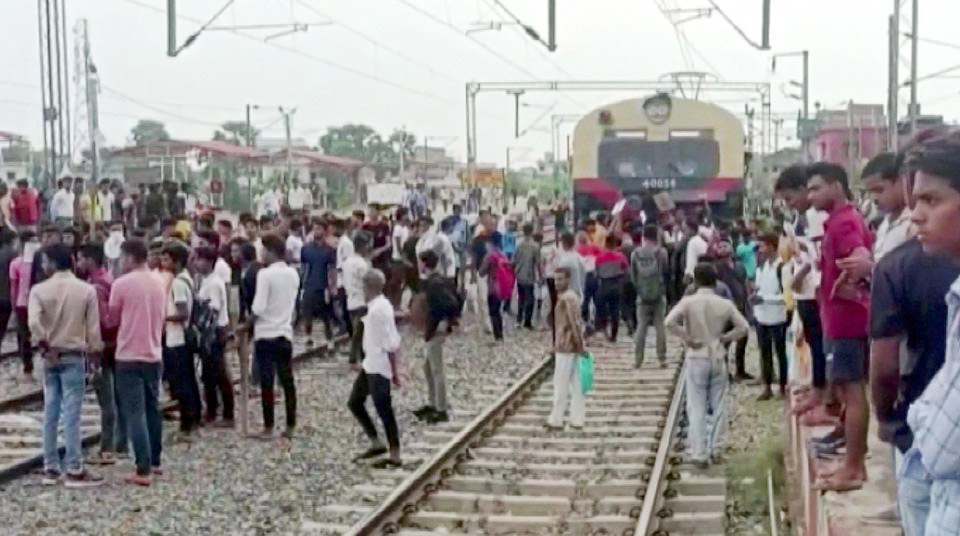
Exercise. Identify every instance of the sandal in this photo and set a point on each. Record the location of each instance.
(840, 486)
(385, 463)
(371, 452)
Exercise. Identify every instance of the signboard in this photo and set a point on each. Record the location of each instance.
(485, 177)
(807, 128)
(387, 193)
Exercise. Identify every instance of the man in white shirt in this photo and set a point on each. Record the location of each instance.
(295, 243)
(448, 256)
(345, 249)
(380, 340)
(216, 375)
(272, 310)
(883, 182)
(177, 356)
(210, 239)
(770, 312)
(298, 197)
(61, 206)
(696, 247)
(397, 273)
(354, 268)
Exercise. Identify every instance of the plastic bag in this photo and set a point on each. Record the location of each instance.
(586, 372)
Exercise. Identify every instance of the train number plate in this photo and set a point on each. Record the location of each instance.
(659, 184)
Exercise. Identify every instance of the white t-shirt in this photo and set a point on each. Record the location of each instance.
(380, 337)
(223, 270)
(448, 257)
(354, 269)
(214, 291)
(274, 302)
(401, 233)
(772, 311)
(61, 206)
(696, 247)
(892, 233)
(181, 291)
(294, 246)
(344, 252)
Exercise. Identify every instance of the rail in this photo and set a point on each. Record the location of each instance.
(399, 501)
(653, 496)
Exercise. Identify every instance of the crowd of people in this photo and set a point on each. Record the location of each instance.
(875, 302)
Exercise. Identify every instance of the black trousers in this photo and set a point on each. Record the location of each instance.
(24, 346)
(216, 382)
(813, 333)
(183, 384)
(740, 353)
(525, 305)
(356, 334)
(496, 315)
(378, 387)
(589, 294)
(552, 290)
(274, 360)
(343, 312)
(771, 338)
(608, 305)
(628, 306)
(315, 305)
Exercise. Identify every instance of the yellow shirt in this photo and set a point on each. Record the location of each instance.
(599, 236)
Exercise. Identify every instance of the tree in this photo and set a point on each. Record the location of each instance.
(363, 143)
(236, 131)
(147, 131)
(404, 141)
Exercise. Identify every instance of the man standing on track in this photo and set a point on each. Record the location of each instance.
(272, 309)
(702, 320)
(138, 300)
(568, 347)
(65, 323)
(178, 356)
(648, 272)
(844, 310)
(443, 308)
(526, 265)
(354, 267)
(380, 339)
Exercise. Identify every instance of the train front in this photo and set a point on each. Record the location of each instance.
(687, 151)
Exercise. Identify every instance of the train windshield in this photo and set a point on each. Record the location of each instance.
(630, 157)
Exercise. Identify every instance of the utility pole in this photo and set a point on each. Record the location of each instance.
(804, 97)
(914, 111)
(516, 110)
(286, 125)
(426, 159)
(893, 77)
(403, 147)
(249, 164)
(93, 108)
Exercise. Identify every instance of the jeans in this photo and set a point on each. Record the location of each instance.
(273, 358)
(813, 333)
(63, 387)
(525, 305)
(216, 382)
(495, 306)
(650, 314)
(356, 334)
(913, 494)
(770, 339)
(433, 372)
(138, 384)
(378, 387)
(608, 305)
(113, 427)
(706, 406)
(24, 345)
(183, 383)
(567, 389)
(589, 295)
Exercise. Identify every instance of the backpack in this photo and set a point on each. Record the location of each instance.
(647, 274)
(200, 332)
(506, 279)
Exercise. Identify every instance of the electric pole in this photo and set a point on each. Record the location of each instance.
(286, 125)
(914, 107)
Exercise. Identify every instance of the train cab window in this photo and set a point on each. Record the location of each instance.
(677, 157)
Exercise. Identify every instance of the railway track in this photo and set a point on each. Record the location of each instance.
(499, 471)
(21, 420)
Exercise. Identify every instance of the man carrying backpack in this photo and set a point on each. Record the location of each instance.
(648, 271)
(770, 314)
(176, 353)
(216, 376)
(500, 282)
(443, 308)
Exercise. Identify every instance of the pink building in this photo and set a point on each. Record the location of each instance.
(851, 137)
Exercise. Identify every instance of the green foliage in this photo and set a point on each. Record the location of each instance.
(362, 142)
(147, 131)
(236, 131)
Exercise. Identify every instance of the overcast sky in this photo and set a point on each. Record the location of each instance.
(384, 63)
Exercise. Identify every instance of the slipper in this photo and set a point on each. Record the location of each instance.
(840, 486)
(371, 452)
(385, 463)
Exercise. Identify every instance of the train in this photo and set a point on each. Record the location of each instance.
(635, 149)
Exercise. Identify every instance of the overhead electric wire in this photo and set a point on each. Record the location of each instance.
(481, 44)
(380, 44)
(155, 109)
(317, 59)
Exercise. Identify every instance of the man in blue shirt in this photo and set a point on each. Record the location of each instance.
(747, 253)
(934, 417)
(319, 262)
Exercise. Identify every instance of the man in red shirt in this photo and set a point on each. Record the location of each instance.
(844, 312)
(26, 210)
